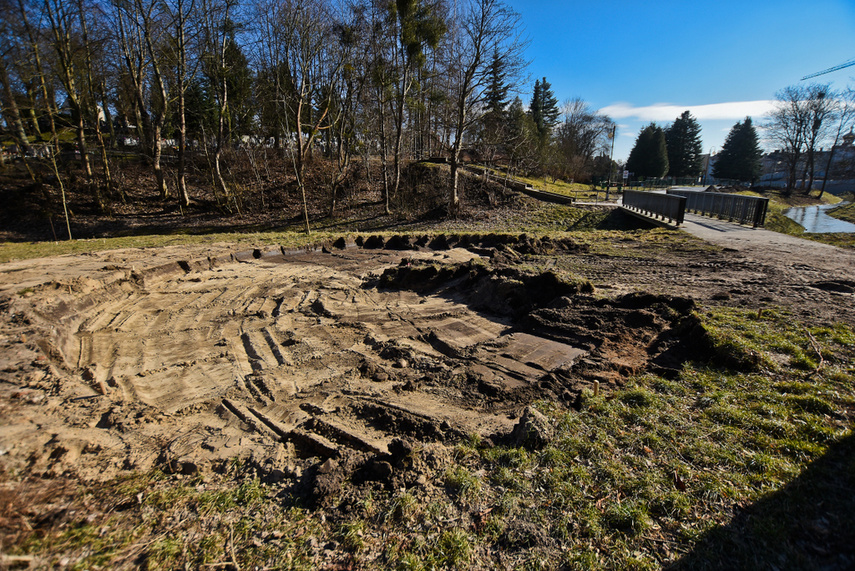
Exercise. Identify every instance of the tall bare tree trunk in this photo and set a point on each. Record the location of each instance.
(399, 132)
(11, 111)
(30, 112)
(384, 151)
(50, 109)
(221, 123)
(64, 46)
(108, 179)
(183, 194)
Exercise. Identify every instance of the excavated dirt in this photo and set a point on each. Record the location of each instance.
(318, 365)
(303, 360)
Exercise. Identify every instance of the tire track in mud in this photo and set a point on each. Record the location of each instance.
(281, 349)
(338, 352)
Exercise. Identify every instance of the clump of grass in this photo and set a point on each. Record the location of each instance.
(164, 553)
(453, 549)
(628, 517)
(403, 508)
(465, 484)
(352, 535)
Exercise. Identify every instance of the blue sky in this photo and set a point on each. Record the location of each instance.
(649, 61)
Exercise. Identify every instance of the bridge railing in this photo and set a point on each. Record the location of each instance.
(732, 207)
(656, 204)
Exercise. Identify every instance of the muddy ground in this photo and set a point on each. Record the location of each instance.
(186, 358)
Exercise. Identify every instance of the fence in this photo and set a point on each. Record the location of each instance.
(656, 204)
(732, 207)
(520, 186)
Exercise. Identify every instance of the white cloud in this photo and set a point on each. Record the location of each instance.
(734, 110)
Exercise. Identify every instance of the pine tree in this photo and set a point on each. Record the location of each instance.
(494, 121)
(534, 108)
(549, 106)
(496, 96)
(739, 158)
(683, 140)
(649, 156)
(544, 108)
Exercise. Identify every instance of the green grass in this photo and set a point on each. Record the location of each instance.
(845, 212)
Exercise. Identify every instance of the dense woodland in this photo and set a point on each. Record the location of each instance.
(244, 105)
(266, 105)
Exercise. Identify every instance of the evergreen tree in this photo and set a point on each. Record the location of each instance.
(544, 108)
(534, 108)
(549, 106)
(740, 156)
(649, 155)
(240, 81)
(496, 97)
(683, 140)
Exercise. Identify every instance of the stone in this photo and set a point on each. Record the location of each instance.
(328, 466)
(533, 431)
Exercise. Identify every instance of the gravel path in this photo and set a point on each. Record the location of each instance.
(772, 247)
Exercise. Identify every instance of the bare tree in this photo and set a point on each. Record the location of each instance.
(83, 12)
(844, 117)
(50, 110)
(218, 30)
(140, 30)
(65, 42)
(418, 26)
(581, 135)
(351, 33)
(486, 27)
(798, 124)
(180, 13)
(8, 103)
(820, 105)
(381, 72)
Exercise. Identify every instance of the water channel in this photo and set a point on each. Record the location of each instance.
(815, 220)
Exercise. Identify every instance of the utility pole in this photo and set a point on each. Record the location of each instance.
(611, 155)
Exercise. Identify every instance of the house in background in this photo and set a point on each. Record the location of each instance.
(835, 167)
(838, 162)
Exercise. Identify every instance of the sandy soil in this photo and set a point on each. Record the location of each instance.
(186, 358)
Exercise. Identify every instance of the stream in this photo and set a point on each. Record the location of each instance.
(815, 220)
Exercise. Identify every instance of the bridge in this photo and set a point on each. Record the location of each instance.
(675, 202)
